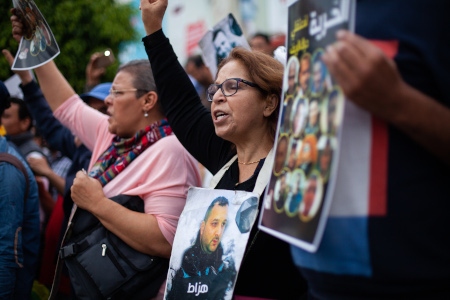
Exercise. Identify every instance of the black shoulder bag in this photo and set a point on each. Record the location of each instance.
(101, 265)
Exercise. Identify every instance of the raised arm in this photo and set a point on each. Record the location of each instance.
(55, 87)
(153, 14)
(93, 73)
(189, 119)
(41, 167)
(373, 82)
(58, 136)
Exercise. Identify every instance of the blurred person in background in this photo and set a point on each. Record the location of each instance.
(261, 42)
(19, 222)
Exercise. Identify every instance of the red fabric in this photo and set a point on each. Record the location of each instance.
(51, 247)
(380, 146)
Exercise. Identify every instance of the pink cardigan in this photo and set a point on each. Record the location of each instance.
(161, 175)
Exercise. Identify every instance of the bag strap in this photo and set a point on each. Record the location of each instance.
(9, 158)
(59, 261)
(263, 176)
(264, 173)
(216, 178)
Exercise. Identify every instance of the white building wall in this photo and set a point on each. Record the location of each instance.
(270, 16)
(184, 19)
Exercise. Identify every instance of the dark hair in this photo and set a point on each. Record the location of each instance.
(265, 71)
(24, 113)
(141, 71)
(142, 77)
(317, 58)
(264, 36)
(221, 201)
(304, 56)
(216, 32)
(4, 98)
(197, 60)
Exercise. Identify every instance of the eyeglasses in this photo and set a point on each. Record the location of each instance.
(229, 87)
(114, 93)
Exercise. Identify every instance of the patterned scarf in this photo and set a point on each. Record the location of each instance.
(123, 151)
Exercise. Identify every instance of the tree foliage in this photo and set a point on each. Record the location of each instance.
(80, 27)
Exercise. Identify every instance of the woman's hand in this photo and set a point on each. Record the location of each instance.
(93, 72)
(152, 12)
(18, 26)
(25, 75)
(87, 192)
(39, 165)
(366, 75)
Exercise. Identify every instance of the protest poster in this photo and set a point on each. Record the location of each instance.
(208, 249)
(217, 43)
(298, 196)
(38, 45)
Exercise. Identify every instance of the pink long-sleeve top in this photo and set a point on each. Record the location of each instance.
(161, 175)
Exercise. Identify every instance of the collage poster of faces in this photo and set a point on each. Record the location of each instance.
(38, 45)
(209, 244)
(298, 196)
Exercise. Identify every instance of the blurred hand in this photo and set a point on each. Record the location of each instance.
(41, 183)
(19, 27)
(77, 141)
(39, 165)
(94, 73)
(152, 12)
(86, 191)
(366, 75)
(45, 198)
(25, 75)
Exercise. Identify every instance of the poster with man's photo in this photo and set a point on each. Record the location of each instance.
(217, 43)
(38, 45)
(212, 233)
(298, 197)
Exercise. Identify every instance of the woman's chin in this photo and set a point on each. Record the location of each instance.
(112, 129)
(223, 134)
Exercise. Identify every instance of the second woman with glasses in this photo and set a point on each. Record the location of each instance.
(133, 153)
(243, 119)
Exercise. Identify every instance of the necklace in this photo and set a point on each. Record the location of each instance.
(249, 163)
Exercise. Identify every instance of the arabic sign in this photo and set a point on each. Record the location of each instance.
(298, 198)
(38, 46)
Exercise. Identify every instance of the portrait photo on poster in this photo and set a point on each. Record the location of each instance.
(217, 43)
(209, 244)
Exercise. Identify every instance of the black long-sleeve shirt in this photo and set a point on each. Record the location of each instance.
(267, 269)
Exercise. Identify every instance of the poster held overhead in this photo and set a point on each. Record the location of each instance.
(38, 46)
(217, 43)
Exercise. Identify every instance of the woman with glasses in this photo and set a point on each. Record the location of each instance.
(245, 104)
(133, 152)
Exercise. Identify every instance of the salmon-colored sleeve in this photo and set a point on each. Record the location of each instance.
(161, 176)
(85, 122)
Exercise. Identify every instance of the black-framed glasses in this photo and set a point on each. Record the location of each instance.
(229, 87)
(114, 93)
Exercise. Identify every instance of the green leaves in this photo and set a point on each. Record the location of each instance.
(81, 27)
